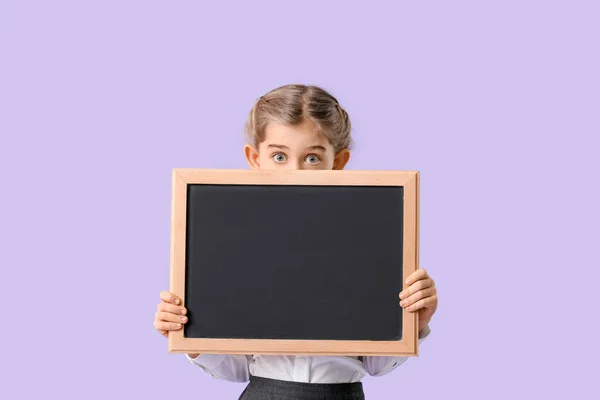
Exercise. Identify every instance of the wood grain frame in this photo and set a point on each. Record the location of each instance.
(182, 177)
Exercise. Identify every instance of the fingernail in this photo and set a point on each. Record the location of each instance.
(178, 325)
(408, 281)
(402, 295)
(176, 301)
(183, 311)
(183, 319)
(402, 303)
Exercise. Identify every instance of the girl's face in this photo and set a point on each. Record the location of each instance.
(295, 147)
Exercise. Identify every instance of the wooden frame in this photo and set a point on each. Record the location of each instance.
(408, 346)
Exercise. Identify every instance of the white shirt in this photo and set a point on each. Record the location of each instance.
(309, 369)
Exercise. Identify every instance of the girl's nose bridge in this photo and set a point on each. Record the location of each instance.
(297, 164)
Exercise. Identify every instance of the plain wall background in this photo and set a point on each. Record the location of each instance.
(496, 103)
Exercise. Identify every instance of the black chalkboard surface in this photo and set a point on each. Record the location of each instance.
(292, 262)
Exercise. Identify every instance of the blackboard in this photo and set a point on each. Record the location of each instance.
(292, 262)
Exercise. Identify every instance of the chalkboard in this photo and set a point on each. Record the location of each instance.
(294, 262)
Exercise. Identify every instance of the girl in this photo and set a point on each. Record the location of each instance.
(300, 127)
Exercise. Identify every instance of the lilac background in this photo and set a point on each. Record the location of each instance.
(496, 103)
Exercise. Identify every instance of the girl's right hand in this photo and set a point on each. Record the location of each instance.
(170, 314)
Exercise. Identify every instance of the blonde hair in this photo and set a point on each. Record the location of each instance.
(294, 104)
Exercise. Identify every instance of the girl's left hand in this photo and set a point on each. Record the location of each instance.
(420, 295)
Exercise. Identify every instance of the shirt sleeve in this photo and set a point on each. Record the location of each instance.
(234, 368)
(382, 365)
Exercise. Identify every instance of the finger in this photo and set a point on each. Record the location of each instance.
(161, 331)
(427, 292)
(417, 275)
(423, 303)
(415, 287)
(166, 326)
(170, 298)
(168, 317)
(173, 309)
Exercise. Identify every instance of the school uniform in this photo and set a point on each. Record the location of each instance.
(299, 377)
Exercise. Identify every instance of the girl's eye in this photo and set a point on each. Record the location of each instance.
(312, 159)
(279, 157)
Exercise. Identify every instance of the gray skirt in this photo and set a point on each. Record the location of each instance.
(271, 389)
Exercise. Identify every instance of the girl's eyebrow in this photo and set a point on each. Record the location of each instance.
(317, 147)
(279, 146)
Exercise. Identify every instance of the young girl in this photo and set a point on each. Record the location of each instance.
(301, 127)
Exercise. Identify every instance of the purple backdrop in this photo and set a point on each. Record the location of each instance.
(496, 103)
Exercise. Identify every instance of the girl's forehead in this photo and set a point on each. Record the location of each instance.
(299, 136)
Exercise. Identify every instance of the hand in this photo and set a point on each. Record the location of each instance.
(170, 314)
(420, 295)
